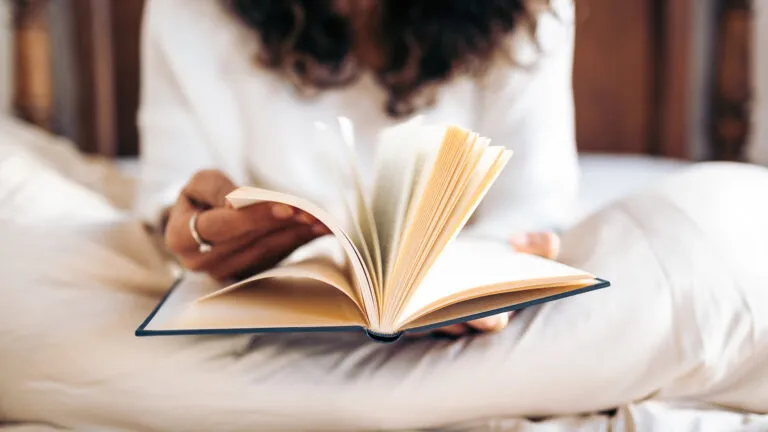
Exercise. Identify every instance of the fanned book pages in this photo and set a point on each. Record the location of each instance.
(394, 261)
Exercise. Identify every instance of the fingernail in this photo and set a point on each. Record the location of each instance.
(320, 229)
(503, 321)
(544, 244)
(492, 323)
(304, 218)
(538, 239)
(281, 211)
(554, 246)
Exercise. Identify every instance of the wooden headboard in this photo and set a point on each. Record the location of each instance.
(659, 77)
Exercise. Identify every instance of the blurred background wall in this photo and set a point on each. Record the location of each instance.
(659, 77)
(6, 65)
(65, 85)
(703, 39)
(759, 140)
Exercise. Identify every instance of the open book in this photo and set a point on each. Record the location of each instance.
(394, 261)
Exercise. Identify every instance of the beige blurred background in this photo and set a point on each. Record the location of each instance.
(671, 78)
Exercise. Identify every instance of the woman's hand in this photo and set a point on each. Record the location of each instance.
(243, 241)
(545, 244)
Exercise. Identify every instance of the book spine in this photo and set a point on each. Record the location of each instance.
(383, 338)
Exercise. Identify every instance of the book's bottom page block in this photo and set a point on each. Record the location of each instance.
(284, 304)
(296, 305)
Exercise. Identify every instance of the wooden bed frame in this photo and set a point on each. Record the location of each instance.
(658, 77)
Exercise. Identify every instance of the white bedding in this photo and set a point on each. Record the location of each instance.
(686, 320)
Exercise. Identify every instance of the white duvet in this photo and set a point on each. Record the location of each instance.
(680, 342)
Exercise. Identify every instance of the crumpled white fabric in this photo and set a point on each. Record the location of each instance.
(685, 321)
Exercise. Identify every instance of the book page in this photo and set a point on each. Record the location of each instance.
(486, 171)
(400, 160)
(468, 176)
(362, 230)
(465, 168)
(362, 282)
(363, 209)
(492, 302)
(423, 210)
(317, 268)
(428, 145)
(470, 268)
(189, 288)
(262, 304)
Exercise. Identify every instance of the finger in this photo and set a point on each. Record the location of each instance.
(544, 244)
(209, 188)
(419, 334)
(454, 330)
(178, 236)
(554, 246)
(461, 329)
(305, 218)
(219, 225)
(491, 323)
(267, 251)
(196, 261)
(223, 224)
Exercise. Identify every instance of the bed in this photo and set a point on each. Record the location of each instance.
(631, 139)
(72, 343)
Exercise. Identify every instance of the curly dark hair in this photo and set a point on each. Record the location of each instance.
(423, 42)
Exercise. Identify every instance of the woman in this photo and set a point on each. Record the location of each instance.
(236, 86)
(684, 320)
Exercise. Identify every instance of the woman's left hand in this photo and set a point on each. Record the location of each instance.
(545, 244)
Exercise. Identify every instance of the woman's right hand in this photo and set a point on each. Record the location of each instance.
(244, 241)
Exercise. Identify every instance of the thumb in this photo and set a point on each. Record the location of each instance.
(543, 244)
(491, 323)
(209, 188)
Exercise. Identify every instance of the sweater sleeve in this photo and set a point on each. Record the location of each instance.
(530, 110)
(175, 133)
